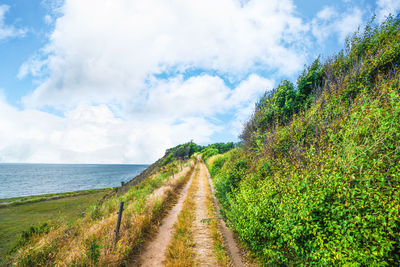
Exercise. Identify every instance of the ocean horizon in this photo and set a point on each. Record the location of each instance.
(26, 179)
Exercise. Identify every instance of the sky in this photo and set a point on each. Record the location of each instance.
(120, 81)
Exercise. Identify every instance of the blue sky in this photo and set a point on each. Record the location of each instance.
(120, 81)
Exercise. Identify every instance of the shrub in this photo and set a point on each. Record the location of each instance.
(93, 251)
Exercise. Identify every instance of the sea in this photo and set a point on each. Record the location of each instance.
(18, 180)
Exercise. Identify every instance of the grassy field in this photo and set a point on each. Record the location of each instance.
(26, 211)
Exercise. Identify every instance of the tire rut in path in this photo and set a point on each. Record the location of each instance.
(201, 232)
(154, 251)
(229, 240)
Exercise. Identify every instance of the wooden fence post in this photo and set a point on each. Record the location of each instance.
(121, 208)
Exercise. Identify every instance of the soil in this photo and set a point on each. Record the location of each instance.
(201, 232)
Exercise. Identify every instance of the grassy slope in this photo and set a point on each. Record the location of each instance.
(90, 240)
(16, 218)
(321, 185)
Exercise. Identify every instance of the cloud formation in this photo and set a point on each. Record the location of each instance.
(329, 22)
(8, 31)
(132, 78)
(176, 111)
(102, 51)
(387, 7)
(90, 134)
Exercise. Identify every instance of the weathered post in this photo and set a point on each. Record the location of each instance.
(173, 173)
(121, 208)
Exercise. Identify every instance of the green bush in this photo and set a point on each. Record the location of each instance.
(93, 251)
(217, 165)
(208, 152)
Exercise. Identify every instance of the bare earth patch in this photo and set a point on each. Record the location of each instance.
(201, 232)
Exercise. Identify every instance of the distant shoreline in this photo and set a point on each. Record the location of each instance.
(14, 201)
(27, 180)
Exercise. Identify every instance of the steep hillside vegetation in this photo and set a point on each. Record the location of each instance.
(317, 177)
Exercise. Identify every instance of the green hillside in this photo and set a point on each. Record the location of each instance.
(316, 180)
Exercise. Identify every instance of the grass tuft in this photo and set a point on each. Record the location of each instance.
(180, 250)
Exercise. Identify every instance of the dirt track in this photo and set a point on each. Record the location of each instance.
(201, 232)
(154, 252)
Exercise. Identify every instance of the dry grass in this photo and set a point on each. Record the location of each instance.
(180, 250)
(218, 243)
(90, 240)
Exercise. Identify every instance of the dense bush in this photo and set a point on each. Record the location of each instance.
(278, 106)
(317, 181)
(185, 151)
(208, 152)
(215, 149)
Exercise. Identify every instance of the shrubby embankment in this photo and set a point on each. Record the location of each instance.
(316, 179)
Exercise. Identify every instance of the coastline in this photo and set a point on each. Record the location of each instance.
(14, 201)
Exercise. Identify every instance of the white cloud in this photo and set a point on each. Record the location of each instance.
(327, 13)
(90, 134)
(386, 7)
(329, 22)
(102, 51)
(176, 111)
(249, 90)
(8, 31)
(349, 23)
(48, 19)
(33, 66)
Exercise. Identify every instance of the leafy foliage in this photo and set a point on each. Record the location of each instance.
(215, 149)
(278, 106)
(183, 151)
(93, 251)
(186, 150)
(317, 181)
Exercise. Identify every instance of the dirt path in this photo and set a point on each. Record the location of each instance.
(201, 232)
(154, 252)
(230, 243)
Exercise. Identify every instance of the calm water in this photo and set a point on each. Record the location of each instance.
(34, 179)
